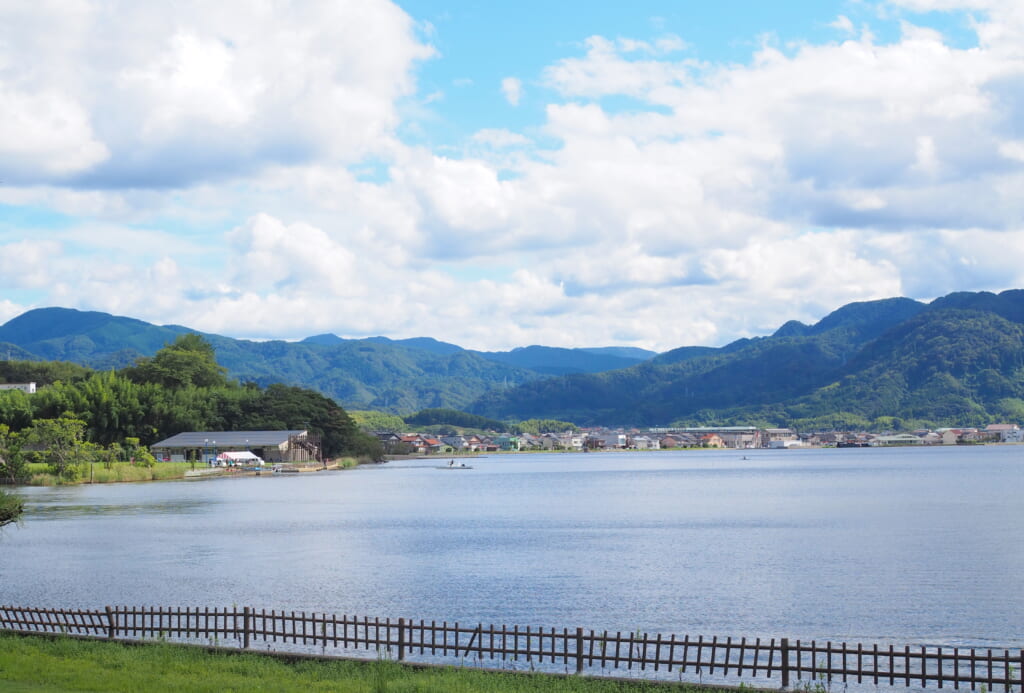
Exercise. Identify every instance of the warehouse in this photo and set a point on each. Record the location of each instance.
(271, 446)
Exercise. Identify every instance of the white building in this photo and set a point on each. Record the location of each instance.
(646, 443)
(29, 388)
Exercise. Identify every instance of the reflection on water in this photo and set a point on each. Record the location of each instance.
(49, 509)
(919, 545)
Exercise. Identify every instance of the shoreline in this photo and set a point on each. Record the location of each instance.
(41, 479)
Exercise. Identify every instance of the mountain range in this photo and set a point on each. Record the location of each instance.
(893, 363)
(898, 362)
(375, 373)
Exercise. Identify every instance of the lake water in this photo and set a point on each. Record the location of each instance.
(908, 545)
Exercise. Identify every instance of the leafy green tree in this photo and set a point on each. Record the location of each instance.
(111, 454)
(87, 455)
(282, 407)
(10, 508)
(16, 409)
(42, 373)
(377, 421)
(138, 454)
(171, 411)
(59, 443)
(538, 426)
(13, 464)
(189, 360)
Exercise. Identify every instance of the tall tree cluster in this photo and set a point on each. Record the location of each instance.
(181, 388)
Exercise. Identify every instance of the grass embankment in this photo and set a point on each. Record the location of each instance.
(35, 663)
(124, 471)
(118, 471)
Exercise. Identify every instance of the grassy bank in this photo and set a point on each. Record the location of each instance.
(34, 663)
(10, 508)
(118, 471)
(124, 471)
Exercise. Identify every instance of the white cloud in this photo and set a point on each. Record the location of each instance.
(512, 89)
(157, 95)
(662, 46)
(269, 255)
(843, 24)
(45, 134)
(26, 264)
(720, 201)
(604, 71)
(500, 139)
(1012, 149)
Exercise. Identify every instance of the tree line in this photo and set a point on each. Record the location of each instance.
(79, 415)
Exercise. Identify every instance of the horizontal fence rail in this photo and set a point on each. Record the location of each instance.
(784, 660)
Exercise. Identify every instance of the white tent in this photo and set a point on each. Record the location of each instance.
(239, 458)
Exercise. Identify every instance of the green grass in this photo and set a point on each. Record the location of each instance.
(124, 471)
(119, 471)
(10, 508)
(34, 663)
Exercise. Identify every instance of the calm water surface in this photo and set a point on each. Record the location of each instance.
(911, 545)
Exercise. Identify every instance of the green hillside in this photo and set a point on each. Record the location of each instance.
(889, 363)
(90, 338)
(557, 361)
(898, 362)
(360, 374)
(369, 375)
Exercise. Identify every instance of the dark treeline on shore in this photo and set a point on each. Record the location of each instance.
(78, 412)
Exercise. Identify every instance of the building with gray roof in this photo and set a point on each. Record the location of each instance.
(273, 446)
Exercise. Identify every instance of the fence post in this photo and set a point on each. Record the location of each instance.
(401, 639)
(111, 624)
(579, 650)
(785, 663)
(246, 615)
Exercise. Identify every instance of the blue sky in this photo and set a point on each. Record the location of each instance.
(651, 174)
(479, 44)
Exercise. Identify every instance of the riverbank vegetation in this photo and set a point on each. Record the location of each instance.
(83, 422)
(105, 473)
(35, 663)
(10, 508)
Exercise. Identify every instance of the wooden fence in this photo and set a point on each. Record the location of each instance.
(782, 659)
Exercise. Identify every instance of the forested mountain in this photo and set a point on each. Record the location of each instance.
(401, 376)
(895, 363)
(556, 361)
(90, 338)
(888, 363)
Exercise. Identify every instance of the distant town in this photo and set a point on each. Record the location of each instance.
(732, 437)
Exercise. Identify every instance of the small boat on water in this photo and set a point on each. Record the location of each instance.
(452, 465)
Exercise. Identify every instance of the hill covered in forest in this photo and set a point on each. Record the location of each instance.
(892, 363)
(400, 376)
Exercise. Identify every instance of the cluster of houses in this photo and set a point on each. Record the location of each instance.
(569, 440)
(993, 433)
(736, 437)
(740, 437)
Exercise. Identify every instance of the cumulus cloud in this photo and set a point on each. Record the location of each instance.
(662, 201)
(125, 95)
(605, 71)
(843, 24)
(44, 133)
(512, 89)
(269, 255)
(25, 264)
